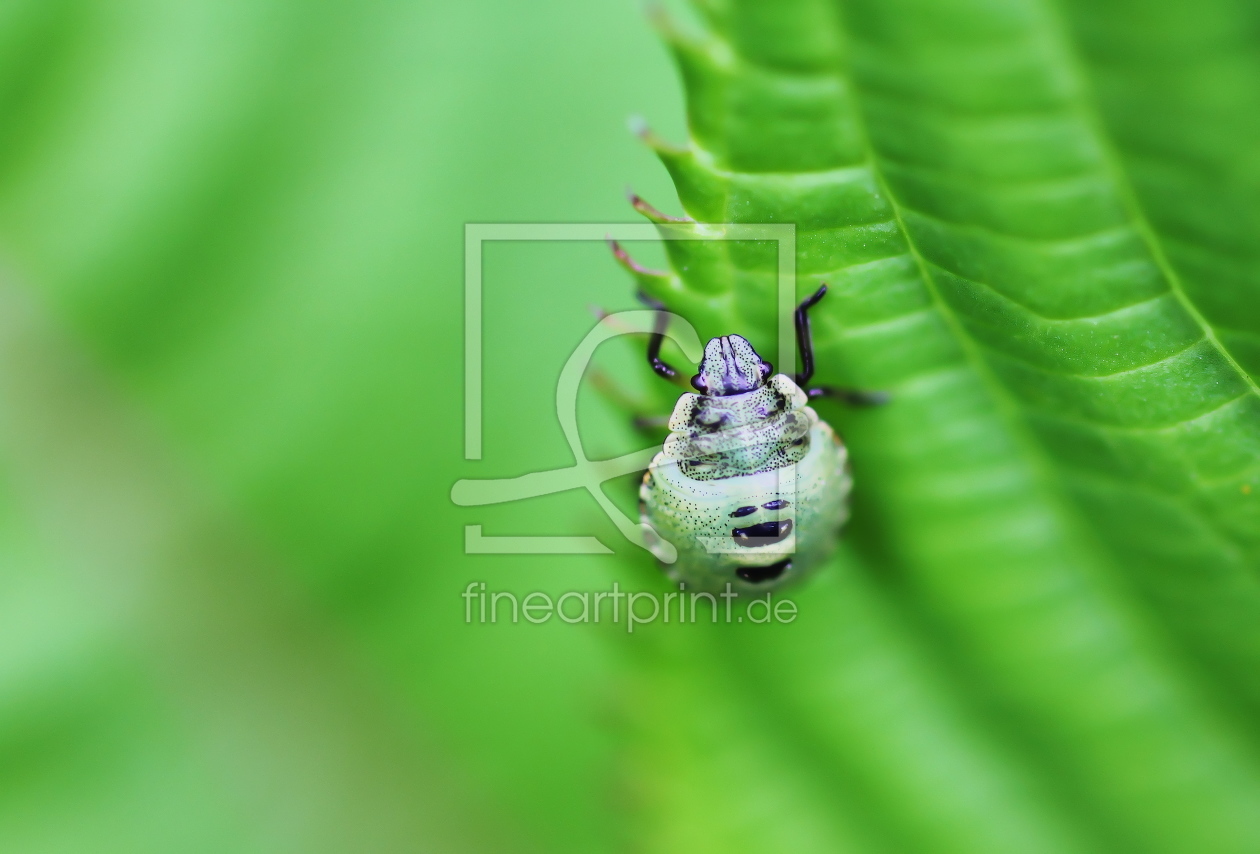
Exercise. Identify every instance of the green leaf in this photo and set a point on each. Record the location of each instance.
(1062, 487)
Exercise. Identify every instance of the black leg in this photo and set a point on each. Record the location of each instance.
(805, 342)
(651, 423)
(851, 396)
(657, 338)
(804, 338)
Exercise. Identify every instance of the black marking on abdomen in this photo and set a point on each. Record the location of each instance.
(777, 504)
(762, 534)
(743, 511)
(758, 574)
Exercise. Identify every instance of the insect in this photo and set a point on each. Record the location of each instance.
(751, 487)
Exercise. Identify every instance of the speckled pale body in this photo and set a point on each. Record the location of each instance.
(740, 451)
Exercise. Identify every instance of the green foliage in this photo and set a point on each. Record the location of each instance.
(1059, 501)
(229, 423)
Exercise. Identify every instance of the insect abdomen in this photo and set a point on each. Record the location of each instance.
(726, 454)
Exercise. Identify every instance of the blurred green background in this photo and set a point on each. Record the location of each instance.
(231, 412)
(232, 238)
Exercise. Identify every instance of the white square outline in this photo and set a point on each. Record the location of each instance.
(477, 234)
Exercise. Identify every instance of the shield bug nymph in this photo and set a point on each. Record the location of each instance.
(751, 487)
